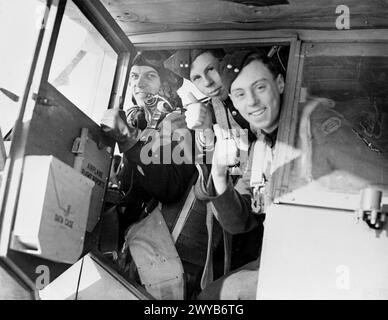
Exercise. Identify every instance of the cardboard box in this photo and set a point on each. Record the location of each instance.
(93, 162)
(90, 279)
(52, 210)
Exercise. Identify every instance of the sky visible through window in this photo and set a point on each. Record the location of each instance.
(18, 40)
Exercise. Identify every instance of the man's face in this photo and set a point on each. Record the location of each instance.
(143, 81)
(256, 95)
(204, 74)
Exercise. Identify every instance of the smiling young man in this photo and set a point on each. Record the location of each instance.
(141, 180)
(255, 85)
(201, 67)
(148, 78)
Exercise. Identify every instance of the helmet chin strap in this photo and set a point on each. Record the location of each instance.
(155, 108)
(148, 111)
(151, 100)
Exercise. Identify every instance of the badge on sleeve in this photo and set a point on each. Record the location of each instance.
(331, 125)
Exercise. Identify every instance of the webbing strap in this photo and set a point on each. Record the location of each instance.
(258, 163)
(207, 275)
(226, 122)
(220, 113)
(183, 215)
(228, 251)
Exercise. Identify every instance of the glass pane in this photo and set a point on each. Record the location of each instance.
(19, 28)
(344, 140)
(83, 65)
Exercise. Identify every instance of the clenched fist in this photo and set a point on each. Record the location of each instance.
(114, 124)
(198, 115)
(225, 152)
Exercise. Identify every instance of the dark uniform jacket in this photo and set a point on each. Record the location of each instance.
(235, 208)
(144, 179)
(344, 147)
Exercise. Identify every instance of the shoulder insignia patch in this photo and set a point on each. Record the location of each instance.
(331, 125)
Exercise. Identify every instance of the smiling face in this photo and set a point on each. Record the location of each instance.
(143, 81)
(256, 95)
(204, 73)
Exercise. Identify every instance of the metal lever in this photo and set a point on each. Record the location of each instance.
(370, 209)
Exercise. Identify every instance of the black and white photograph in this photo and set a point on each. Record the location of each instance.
(194, 151)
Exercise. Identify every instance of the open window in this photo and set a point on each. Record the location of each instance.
(279, 50)
(17, 51)
(83, 64)
(78, 70)
(191, 243)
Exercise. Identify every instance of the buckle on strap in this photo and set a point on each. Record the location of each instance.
(257, 203)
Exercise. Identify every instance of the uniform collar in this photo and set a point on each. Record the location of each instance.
(268, 138)
(244, 124)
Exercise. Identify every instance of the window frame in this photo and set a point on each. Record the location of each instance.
(289, 91)
(322, 199)
(37, 80)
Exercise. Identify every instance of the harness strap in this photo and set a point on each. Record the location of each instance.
(260, 170)
(226, 121)
(220, 113)
(228, 251)
(259, 160)
(207, 275)
(183, 215)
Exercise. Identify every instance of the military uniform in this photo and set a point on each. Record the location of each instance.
(340, 151)
(241, 207)
(239, 210)
(146, 177)
(166, 183)
(238, 250)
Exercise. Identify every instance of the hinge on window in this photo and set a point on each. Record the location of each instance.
(44, 101)
(79, 142)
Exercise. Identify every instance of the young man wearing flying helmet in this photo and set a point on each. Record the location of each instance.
(255, 86)
(148, 126)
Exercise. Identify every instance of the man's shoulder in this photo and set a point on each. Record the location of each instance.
(318, 105)
(323, 111)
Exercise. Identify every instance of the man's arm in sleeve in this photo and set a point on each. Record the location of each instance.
(233, 206)
(166, 180)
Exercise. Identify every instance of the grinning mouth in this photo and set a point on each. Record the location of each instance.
(258, 112)
(144, 93)
(145, 96)
(214, 92)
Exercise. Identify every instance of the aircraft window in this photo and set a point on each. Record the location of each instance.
(83, 64)
(343, 141)
(18, 41)
(192, 245)
(188, 87)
